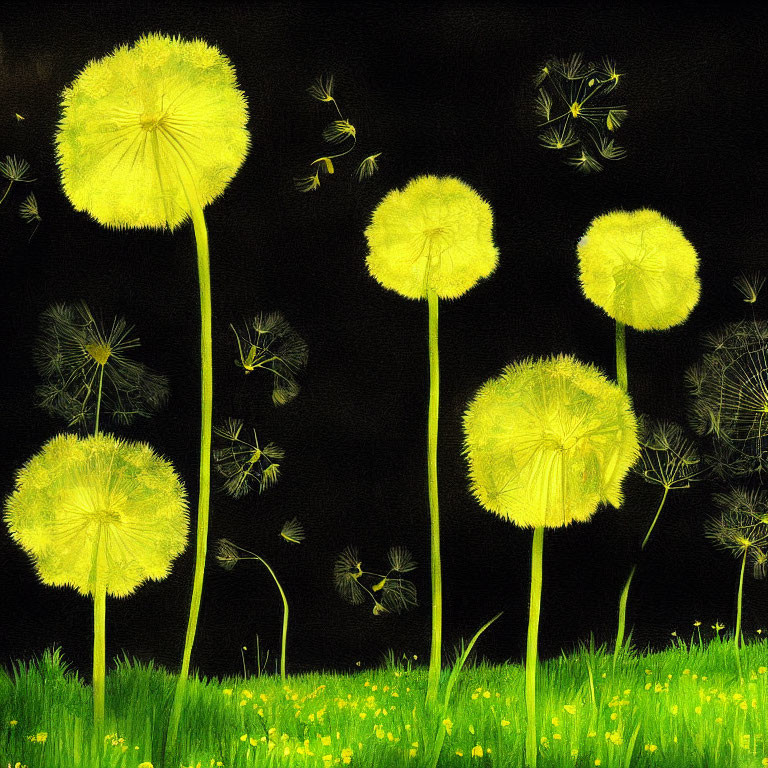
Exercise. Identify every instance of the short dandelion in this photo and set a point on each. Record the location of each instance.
(100, 515)
(547, 442)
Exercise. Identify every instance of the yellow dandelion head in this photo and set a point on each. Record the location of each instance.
(549, 440)
(98, 510)
(639, 267)
(150, 130)
(434, 234)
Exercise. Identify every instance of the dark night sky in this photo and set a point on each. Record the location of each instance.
(437, 88)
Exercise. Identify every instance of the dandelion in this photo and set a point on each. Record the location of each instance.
(547, 441)
(729, 393)
(432, 240)
(639, 268)
(87, 371)
(368, 167)
(270, 343)
(293, 531)
(149, 135)
(244, 464)
(228, 556)
(100, 515)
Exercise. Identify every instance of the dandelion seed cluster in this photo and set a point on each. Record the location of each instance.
(434, 234)
(549, 440)
(150, 130)
(98, 510)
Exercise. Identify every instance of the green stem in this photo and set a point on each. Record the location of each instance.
(98, 400)
(435, 654)
(531, 653)
(658, 512)
(7, 190)
(99, 658)
(738, 613)
(621, 356)
(622, 615)
(284, 640)
(206, 355)
(625, 592)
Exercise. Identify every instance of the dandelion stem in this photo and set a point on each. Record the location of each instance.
(738, 613)
(7, 190)
(206, 354)
(625, 592)
(532, 645)
(621, 356)
(98, 400)
(99, 658)
(435, 654)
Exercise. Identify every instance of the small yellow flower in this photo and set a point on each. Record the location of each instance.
(555, 722)
(504, 723)
(477, 751)
(459, 753)
(146, 764)
(346, 755)
(13, 722)
(650, 747)
(570, 709)
(448, 723)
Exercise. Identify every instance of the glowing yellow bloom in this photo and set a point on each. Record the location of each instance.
(549, 440)
(98, 511)
(435, 233)
(148, 128)
(639, 267)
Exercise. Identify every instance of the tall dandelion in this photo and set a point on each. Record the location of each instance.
(547, 441)
(102, 516)
(432, 240)
(641, 270)
(149, 135)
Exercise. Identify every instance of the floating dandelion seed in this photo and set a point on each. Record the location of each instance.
(243, 464)
(324, 163)
(15, 171)
(269, 343)
(227, 554)
(729, 388)
(749, 286)
(87, 372)
(389, 592)
(347, 571)
(293, 531)
(338, 131)
(368, 167)
(308, 183)
(570, 101)
(322, 89)
(30, 212)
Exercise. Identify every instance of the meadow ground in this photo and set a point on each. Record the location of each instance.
(685, 706)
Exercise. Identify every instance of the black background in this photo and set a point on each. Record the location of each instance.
(437, 88)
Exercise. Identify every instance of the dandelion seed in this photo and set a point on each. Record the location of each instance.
(338, 131)
(749, 286)
(324, 163)
(14, 170)
(19, 117)
(368, 167)
(347, 571)
(29, 210)
(585, 162)
(615, 118)
(308, 183)
(293, 531)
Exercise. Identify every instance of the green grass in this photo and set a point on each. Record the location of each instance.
(683, 707)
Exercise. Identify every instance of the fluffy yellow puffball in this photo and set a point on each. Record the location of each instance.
(639, 267)
(149, 127)
(435, 233)
(98, 511)
(549, 440)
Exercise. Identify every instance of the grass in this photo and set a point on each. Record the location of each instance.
(685, 706)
